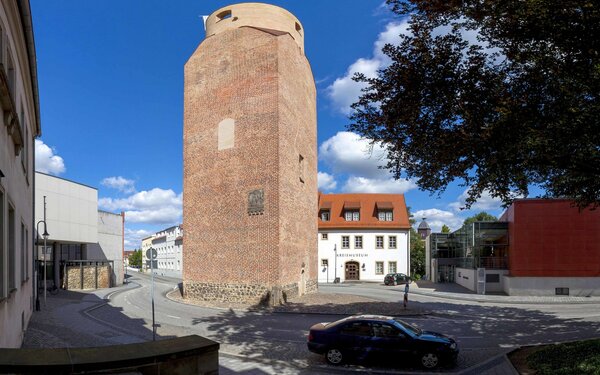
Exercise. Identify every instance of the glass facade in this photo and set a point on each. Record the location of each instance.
(478, 245)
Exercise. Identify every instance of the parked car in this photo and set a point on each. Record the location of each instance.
(380, 338)
(396, 278)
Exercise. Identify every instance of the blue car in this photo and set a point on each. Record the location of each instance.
(380, 338)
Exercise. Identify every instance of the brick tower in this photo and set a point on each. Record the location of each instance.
(250, 160)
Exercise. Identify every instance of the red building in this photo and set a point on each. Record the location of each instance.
(552, 246)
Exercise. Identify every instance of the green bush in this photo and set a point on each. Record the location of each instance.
(582, 357)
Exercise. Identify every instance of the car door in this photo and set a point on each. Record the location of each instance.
(355, 340)
(389, 343)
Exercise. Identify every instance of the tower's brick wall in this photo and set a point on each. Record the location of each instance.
(263, 82)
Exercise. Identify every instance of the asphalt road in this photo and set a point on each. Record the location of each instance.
(482, 330)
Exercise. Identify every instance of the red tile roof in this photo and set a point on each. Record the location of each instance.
(368, 204)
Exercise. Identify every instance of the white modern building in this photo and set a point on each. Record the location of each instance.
(78, 232)
(168, 244)
(19, 125)
(362, 237)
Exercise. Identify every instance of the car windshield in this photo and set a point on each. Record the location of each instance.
(407, 327)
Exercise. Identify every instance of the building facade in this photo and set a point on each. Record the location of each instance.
(538, 247)
(80, 236)
(168, 244)
(19, 125)
(362, 237)
(250, 159)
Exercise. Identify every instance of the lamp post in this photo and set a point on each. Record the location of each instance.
(152, 255)
(334, 263)
(45, 235)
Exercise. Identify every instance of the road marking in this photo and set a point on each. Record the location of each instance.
(174, 317)
(469, 337)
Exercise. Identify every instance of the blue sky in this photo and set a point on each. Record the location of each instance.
(111, 97)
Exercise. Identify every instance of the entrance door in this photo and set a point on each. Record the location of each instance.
(352, 271)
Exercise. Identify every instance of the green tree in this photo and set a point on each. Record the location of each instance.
(445, 229)
(417, 255)
(135, 259)
(482, 216)
(417, 249)
(519, 106)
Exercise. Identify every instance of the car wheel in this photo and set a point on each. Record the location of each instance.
(334, 356)
(429, 360)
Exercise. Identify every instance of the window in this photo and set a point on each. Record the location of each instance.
(357, 329)
(358, 242)
(12, 252)
(562, 291)
(23, 251)
(324, 236)
(26, 254)
(324, 262)
(224, 15)
(2, 219)
(392, 242)
(385, 215)
(345, 242)
(301, 167)
(384, 330)
(11, 74)
(391, 267)
(379, 242)
(325, 215)
(352, 215)
(378, 268)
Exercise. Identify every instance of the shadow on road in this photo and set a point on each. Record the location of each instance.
(496, 327)
(82, 319)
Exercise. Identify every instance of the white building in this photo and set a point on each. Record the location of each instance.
(362, 236)
(19, 125)
(77, 230)
(168, 244)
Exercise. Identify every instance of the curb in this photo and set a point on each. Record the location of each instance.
(444, 295)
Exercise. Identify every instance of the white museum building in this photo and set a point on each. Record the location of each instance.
(362, 237)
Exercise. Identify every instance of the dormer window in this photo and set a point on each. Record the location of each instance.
(386, 215)
(352, 215)
(385, 211)
(325, 215)
(352, 211)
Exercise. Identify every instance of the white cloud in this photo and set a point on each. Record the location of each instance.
(356, 184)
(119, 183)
(485, 203)
(344, 91)
(133, 238)
(156, 206)
(437, 218)
(46, 161)
(346, 152)
(326, 181)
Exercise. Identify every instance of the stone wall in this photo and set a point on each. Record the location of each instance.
(74, 277)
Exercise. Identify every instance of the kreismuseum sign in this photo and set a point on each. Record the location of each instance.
(352, 255)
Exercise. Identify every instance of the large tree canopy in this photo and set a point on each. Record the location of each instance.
(517, 107)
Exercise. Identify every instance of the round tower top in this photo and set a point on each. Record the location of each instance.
(258, 15)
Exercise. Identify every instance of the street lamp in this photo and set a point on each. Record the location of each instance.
(45, 235)
(335, 280)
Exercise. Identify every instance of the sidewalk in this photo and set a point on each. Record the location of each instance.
(456, 292)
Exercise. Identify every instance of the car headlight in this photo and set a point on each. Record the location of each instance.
(453, 346)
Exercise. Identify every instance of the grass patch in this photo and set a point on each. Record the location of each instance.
(582, 357)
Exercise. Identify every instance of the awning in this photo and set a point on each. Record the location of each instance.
(325, 206)
(384, 205)
(351, 205)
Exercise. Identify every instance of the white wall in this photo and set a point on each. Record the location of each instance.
(110, 243)
(495, 287)
(466, 277)
(71, 209)
(368, 255)
(18, 182)
(545, 286)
